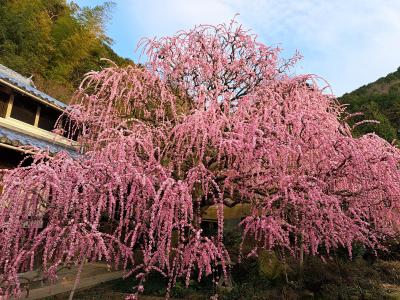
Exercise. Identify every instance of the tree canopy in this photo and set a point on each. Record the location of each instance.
(213, 118)
(55, 42)
(379, 101)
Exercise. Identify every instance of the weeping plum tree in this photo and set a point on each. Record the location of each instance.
(213, 118)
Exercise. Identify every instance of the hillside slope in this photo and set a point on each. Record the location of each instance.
(379, 100)
(55, 41)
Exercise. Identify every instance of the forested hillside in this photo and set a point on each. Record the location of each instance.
(54, 41)
(379, 101)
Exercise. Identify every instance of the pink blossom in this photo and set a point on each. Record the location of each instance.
(213, 118)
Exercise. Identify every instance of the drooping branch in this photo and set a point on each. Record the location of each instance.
(213, 118)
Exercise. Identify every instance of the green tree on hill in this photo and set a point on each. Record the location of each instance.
(55, 41)
(379, 101)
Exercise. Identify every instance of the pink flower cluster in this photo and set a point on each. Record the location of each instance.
(212, 119)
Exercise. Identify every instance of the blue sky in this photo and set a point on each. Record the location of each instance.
(347, 42)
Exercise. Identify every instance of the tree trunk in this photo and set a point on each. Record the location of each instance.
(77, 278)
(301, 266)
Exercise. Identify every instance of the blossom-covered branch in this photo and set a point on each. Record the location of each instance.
(213, 118)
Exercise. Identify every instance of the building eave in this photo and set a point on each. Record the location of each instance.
(55, 104)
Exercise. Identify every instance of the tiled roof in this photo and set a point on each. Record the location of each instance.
(15, 138)
(26, 84)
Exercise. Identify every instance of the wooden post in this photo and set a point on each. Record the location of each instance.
(36, 124)
(9, 106)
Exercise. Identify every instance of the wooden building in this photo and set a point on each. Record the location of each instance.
(27, 118)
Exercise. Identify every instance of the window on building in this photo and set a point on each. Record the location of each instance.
(10, 159)
(70, 130)
(3, 103)
(48, 118)
(24, 109)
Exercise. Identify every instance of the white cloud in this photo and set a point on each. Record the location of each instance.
(158, 17)
(348, 42)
